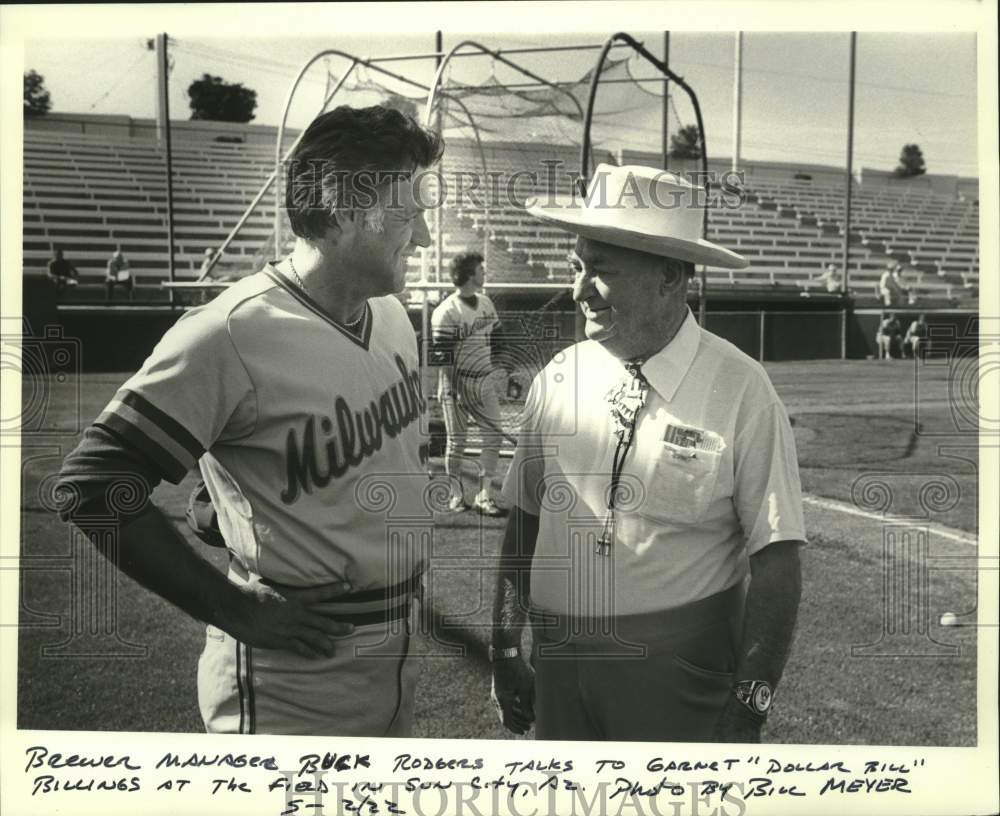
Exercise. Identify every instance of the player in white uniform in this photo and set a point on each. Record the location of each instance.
(461, 326)
(297, 393)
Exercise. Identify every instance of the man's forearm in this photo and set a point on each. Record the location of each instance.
(772, 606)
(514, 578)
(151, 551)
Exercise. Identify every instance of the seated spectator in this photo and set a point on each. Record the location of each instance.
(915, 338)
(62, 273)
(119, 274)
(887, 337)
(890, 288)
(830, 279)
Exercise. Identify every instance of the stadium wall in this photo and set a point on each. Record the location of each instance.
(128, 127)
(120, 338)
(938, 184)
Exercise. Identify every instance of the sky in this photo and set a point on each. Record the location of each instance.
(911, 87)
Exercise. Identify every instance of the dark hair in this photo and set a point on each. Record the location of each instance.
(464, 266)
(345, 156)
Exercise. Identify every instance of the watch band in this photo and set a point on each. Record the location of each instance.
(755, 695)
(503, 654)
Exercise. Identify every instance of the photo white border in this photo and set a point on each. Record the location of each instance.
(962, 780)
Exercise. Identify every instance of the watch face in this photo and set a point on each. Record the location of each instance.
(761, 700)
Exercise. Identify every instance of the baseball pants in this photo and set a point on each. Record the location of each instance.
(472, 396)
(365, 690)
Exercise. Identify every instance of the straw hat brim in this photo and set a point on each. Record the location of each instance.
(579, 221)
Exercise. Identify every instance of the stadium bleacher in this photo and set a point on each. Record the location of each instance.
(88, 194)
(935, 237)
(788, 231)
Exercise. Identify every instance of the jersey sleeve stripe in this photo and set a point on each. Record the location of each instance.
(171, 426)
(174, 465)
(152, 432)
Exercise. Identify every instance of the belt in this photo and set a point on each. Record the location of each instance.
(472, 375)
(661, 623)
(369, 606)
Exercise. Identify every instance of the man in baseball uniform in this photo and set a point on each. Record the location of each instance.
(461, 326)
(296, 392)
(656, 512)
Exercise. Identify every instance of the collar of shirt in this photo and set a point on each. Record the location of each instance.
(666, 369)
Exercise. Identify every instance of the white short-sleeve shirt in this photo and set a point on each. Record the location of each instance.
(711, 477)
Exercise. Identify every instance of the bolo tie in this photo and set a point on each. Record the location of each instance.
(626, 400)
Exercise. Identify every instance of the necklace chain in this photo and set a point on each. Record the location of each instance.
(302, 285)
(354, 324)
(295, 274)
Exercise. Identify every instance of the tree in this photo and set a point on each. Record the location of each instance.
(686, 143)
(36, 99)
(214, 99)
(911, 162)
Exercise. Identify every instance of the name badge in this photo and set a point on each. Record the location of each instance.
(691, 440)
(683, 437)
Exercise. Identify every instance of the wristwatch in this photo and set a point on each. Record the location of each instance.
(503, 654)
(756, 695)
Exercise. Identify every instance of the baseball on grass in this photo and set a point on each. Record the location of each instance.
(949, 619)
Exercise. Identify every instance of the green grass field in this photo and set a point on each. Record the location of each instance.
(889, 424)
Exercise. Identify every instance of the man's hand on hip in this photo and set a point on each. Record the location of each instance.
(291, 619)
(513, 694)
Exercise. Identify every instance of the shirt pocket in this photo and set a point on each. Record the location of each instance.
(681, 484)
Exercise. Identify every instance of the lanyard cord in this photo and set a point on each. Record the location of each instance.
(626, 418)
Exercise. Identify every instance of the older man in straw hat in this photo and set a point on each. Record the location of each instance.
(656, 504)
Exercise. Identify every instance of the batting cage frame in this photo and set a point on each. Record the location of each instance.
(586, 151)
(467, 48)
(436, 93)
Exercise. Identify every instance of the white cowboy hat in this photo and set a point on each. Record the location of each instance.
(640, 208)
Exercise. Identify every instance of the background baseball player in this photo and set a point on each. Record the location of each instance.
(297, 394)
(461, 326)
